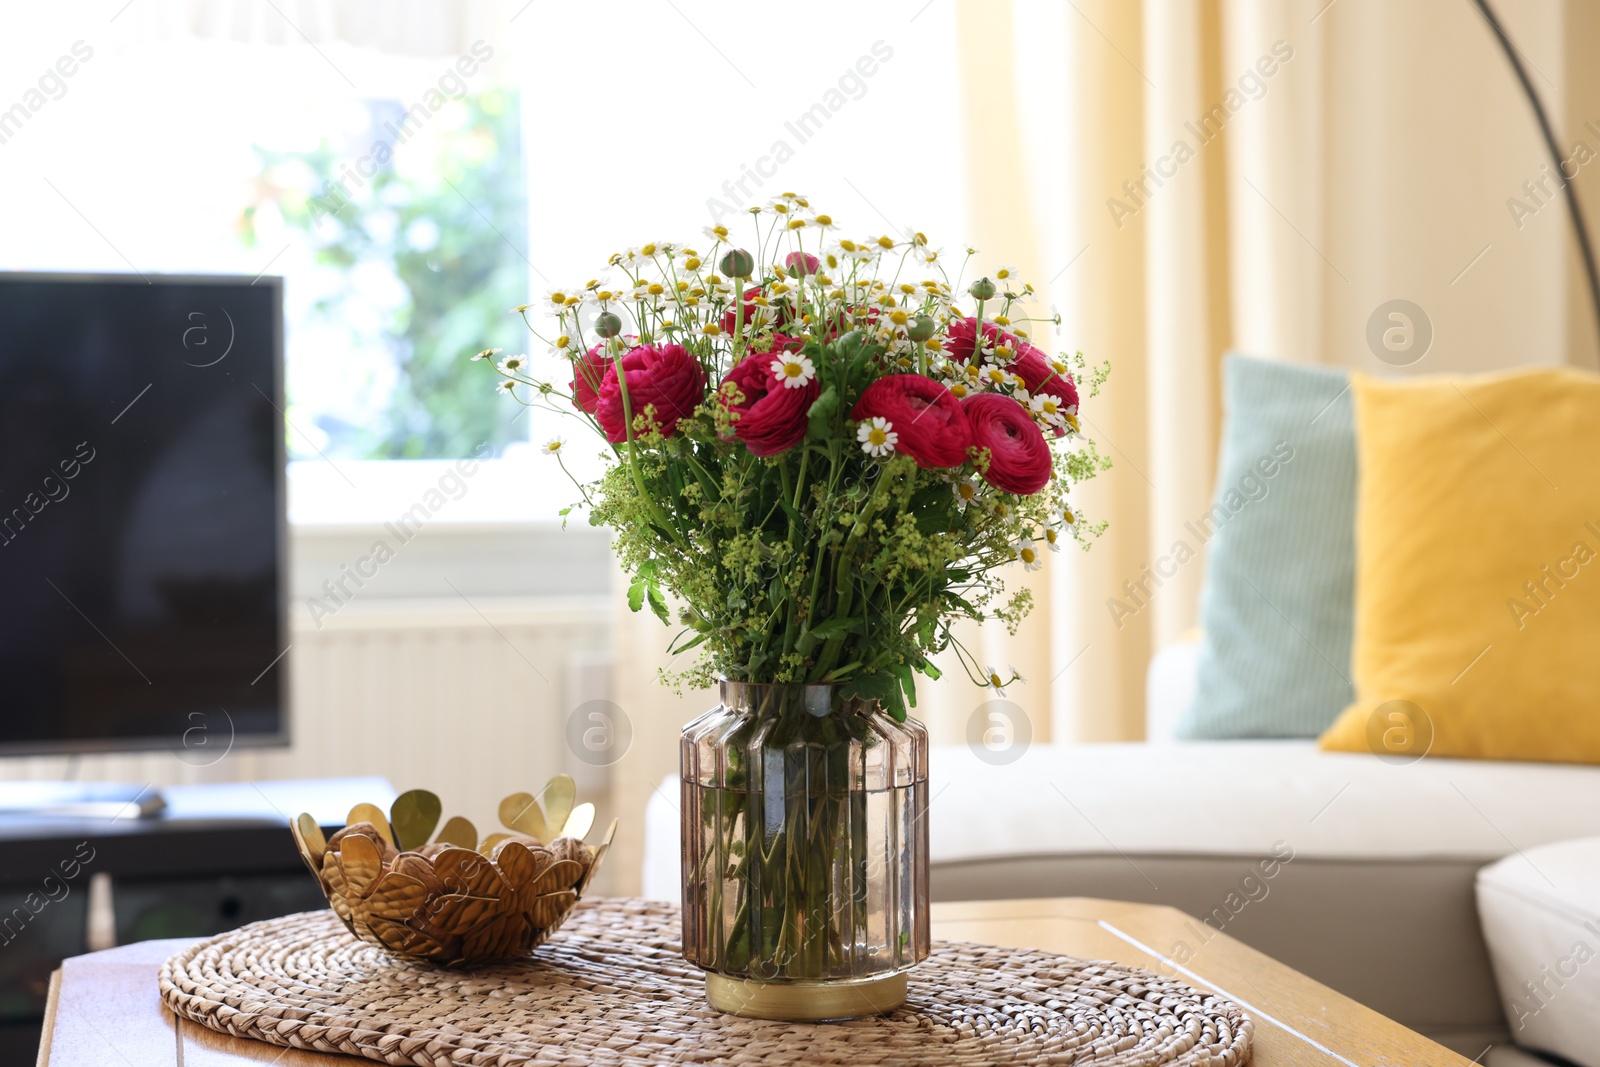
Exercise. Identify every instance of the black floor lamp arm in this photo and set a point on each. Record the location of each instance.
(1576, 213)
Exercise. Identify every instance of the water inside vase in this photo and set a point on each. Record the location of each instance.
(804, 886)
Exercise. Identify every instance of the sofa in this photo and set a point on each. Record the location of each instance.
(1357, 871)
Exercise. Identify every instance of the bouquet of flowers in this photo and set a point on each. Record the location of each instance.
(815, 447)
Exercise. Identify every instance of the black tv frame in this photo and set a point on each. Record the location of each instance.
(282, 736)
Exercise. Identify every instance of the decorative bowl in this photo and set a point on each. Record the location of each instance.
(456, 900)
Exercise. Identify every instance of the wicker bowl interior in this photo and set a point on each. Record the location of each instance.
(447, 896)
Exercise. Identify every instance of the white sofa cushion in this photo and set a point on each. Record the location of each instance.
(1222, 798)
(1540, 910)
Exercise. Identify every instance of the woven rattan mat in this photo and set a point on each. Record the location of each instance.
(611, 988)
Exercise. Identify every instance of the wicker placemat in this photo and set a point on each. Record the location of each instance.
(611, 988)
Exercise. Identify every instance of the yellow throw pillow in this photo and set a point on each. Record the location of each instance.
(1477, 628)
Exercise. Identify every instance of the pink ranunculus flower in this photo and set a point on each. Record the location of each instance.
(963, 336)
(664, 377)
(926, 417)
(1019, 458)
(772, 417)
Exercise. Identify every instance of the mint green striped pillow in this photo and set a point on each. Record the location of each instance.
(1277, 607)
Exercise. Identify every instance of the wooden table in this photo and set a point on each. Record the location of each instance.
(105, 1010)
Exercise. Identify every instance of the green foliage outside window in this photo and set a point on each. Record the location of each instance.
(451, 233)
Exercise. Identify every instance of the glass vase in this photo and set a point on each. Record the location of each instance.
(805, 852)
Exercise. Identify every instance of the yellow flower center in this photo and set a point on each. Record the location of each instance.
(1069, 516)
(994, 680)
(793, 370)
(558, 298)
(649, 249)
(966, 491)
(886, 242)
(899, 317)
(824, 220)
(1029, 555)
(877, 437)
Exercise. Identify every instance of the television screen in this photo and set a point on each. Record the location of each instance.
(142, 516)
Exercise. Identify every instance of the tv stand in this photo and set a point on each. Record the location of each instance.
(80, 800)
(215, 857)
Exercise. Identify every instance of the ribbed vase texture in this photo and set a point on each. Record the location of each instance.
(805, 836)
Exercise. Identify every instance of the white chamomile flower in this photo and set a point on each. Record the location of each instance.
(926, 254)
(1004, 273)
(558, 297)
(716, 233)
(965, 492)
(1052, 538)
(487, 353)
(1027, 555)
(553, 446)
(795, 369)
(996, 682)
(913, 237)
(506, 386)
(877, 436)
(1048, 408)
(824, 223)
(513, 364)
(996, 376)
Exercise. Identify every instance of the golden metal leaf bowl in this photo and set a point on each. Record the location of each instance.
(456, 900)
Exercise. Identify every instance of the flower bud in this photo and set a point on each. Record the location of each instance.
(737, 263)
(800, 264)
(607, 324)
(849, 345)
(921, 328)
(983, 289)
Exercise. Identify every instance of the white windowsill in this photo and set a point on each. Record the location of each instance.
(448, 529)
(527, 489)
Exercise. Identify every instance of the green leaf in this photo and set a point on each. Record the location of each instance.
(835, 628)
(820, 416)
(658, 603)
(883, 687)
(908, 682)
(636, 594)
(673, 650)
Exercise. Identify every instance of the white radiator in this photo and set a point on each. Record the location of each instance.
(469, 700)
